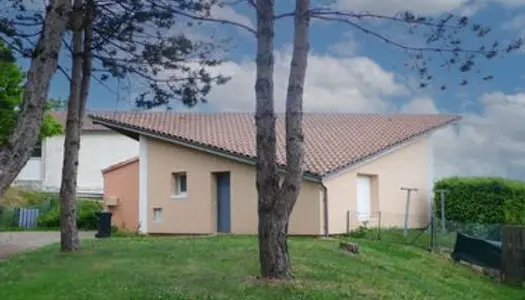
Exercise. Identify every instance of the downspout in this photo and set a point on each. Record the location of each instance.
(325, 209)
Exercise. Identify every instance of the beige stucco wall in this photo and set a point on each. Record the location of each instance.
(406, 167)
(123, 183)
(196, 214)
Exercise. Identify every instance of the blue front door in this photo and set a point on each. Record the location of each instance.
(223, 202)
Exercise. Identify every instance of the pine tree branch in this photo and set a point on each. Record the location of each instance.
(64, 72)
(392, 42)
(400, 17)
(203, 18)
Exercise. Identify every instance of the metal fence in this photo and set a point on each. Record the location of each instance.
(390, 227)
(21, 217)
(424, 231)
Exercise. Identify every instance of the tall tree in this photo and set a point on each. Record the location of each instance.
(15, 153)
(125, 39)
(442, 37)
(81, 24)
(11, 91)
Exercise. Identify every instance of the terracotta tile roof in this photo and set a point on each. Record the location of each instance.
(61, 117)
(332, 141)
(120, 164)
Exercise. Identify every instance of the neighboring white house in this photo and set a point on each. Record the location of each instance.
(99, 148)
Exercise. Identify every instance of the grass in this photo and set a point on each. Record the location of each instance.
(225, 268)
(420, 238)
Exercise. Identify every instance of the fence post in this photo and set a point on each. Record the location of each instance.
(379, 225)
(513, 255)
(409, 191)
(442, 200)
(347, 221)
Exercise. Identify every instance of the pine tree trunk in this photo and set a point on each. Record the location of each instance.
(276, 203)
(294, 107)
(16, 153)
(79, 89)
(273, 246)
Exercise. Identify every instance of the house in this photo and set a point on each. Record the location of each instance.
(195, 173)
(100, 147)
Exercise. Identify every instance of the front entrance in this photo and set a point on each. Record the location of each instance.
(223, 202)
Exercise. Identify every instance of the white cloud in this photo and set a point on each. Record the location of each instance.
(354, 84)
(347, 47)
(426, 7)
(491, 142)
(226, 12)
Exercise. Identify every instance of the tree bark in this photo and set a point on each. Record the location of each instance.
(276, 203)
(294, 107)
(43, 66)
(79, 90)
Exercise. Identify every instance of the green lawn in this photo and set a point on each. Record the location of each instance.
(225, 268)
(416, 237)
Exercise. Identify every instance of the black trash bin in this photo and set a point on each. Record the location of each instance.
(104, 224)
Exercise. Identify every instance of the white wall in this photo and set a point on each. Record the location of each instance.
(32, 170)
(98, 150)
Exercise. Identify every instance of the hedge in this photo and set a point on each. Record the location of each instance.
(482, 200)
(86, 217)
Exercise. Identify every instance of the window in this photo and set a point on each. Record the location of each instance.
(157, 215)
(37, 150)
(180, 185)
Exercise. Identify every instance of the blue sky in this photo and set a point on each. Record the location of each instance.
(324, 37)
(352, 71)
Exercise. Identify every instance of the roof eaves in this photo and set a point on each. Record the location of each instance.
(353, 164)
(120, 164)
(239, 157)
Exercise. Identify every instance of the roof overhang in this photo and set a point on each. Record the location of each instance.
(388, 150)
(135, 132)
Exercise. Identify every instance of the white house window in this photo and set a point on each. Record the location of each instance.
(180, 186)
(157, 215)
(37, 150)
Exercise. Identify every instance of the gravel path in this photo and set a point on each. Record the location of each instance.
(15, 242)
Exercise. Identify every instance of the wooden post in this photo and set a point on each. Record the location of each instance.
(513, 255)
(347, 222)
(379, 226)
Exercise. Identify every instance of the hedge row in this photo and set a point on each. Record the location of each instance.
(482, 200)
(86, 217)
(49, 206)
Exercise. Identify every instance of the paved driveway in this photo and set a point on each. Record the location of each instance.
(15, 242)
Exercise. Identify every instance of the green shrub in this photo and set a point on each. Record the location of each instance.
(26, 198)
(86, 215)
(482, 200)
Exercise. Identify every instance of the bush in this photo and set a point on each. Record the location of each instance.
(482, 200)
(86, 215)
(20, 197)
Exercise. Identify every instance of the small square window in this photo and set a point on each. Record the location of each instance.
(157, 215)
(180, 185)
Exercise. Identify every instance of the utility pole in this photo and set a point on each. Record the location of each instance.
(409, 192)
(442, 195)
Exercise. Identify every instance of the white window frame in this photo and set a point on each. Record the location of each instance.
(177, 193)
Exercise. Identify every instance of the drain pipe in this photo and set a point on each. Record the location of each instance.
(325, 210)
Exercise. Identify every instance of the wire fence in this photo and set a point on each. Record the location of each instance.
(388, 227)
(20, 218)
(424, 231)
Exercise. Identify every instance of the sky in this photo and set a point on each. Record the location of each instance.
(352, 71)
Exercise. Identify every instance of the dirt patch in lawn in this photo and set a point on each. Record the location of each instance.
(16, 242)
